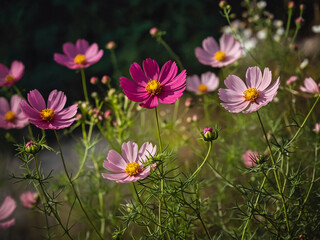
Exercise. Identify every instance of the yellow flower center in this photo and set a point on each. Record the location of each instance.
(9, 79)
(220, 56)
(153, 87)
(133, 168)
(251, 94)
(47, 114)
(10, 116)
(202, 88)
(79, 59)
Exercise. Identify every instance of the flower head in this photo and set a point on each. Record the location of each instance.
(11, 115)
(208, 134)
(80, 55)
(208, 83)
(52, 115)
(151, 85)
(255, 94)
(250, 158)
(8, 77)
(130, 166)
(29, 199)
(6, 209)
(213, 55)
(310, 86)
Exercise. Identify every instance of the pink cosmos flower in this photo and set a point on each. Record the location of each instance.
(50, 115)
(291, 80)
(12, 116)
(208, 83)
(6, 209)
(29, 199)
(149, 86)
(130, 166)
(213, 55)
(8, 77)
(80, 55)
(255, 94)
(250, 158)
(310, 86)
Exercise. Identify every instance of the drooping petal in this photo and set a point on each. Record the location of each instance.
(114, 176)
(36, 100)
(56, 100)
(7, 208)
(129, 151)
(235, 107)
(151, 68)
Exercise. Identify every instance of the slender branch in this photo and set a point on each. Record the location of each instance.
(84, 85)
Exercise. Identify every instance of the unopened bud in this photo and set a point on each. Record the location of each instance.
(94, 94)
(32, 147)
(111, 45)
(78, 116)
(291, 4)
(188, 102)
(222, 4)
(208, 134)
(301, 7)
(153, 31)
(105, 79)
(107, 114)
(93, 80)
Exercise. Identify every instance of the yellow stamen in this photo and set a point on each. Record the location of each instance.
(154, 87)
(9, 78)
(47, 114)
(251, 94)
(202, 88)
(10, 116)
(220, 56)
(79, 59)
(133, 168)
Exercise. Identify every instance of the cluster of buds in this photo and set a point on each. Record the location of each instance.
(104, 80)
(208, 134)
(96, 114)
(194, 118)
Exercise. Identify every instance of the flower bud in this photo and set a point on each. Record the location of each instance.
(32, 147)
(317, 128)
(222, 4)
(188, 102)
(107, 114)
(290, 4)
(93, 80)
(153, 31)
(78, 116)
(105, 79)
(208, 134)
(111, 45)
(94, 94)
(301, 7)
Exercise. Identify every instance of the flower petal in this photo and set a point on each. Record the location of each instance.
(116, 159)
(82, 46)
(235, 83)
(138, 75)
(7, 207)
(70, 50)
(56, 100)
(114, 177)
(133, 91)
(36, 100)
(151, 102)
(145, 151)
(193, 83)
(4, 106)
(151, 68)
(17, 70)
(253, 77)
(235, 107)
(129, 151)
(168, 71)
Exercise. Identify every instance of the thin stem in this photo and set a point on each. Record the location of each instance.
(73, 188)
(30, 132)
(17, 90)
(288, 22)
(171, 52)
(158, 129)
(204, 161)
(275, 174)
(53, 210)
(84, 85)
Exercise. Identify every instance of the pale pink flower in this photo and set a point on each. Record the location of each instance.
(291, 80)
(310, 86)
(80, 55)
(255, 94)
(6, 209)
(130, 166)
(317, 128)
(208, 83)
(52, 115)
(250, 158)
(29, 199)
(219, 56)
(11, 115)
(8, 77)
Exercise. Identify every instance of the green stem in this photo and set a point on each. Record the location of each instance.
(204, 161)
(84, 85)
(288, 22)
(30, 132)
(73, 187)
(53, 210)
(158, 129)
(171, 52)
(275, 174)
(17, 90)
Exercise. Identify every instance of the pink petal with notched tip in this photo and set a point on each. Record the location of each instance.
(138, 75)
(170, 97)
(129, 151)
(229, 95)
(151, 69)
(146, 150)
(94, 59)
(56, 100)
(253, 77)
(235, 83)
(168, 71)
(151, 102)
(235, 107)
(81, 46)
(116, 159)
(36, 100)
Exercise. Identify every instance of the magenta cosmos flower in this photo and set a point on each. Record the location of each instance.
(149, 85)
(250, 158)
(6, 209)
(50, 115)
(130, 166)
(208, 83)
(255, 94)
(213, 55)
(11, 115)
(8, 77)
(29, 199)
(310, 86)
(80, 55)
